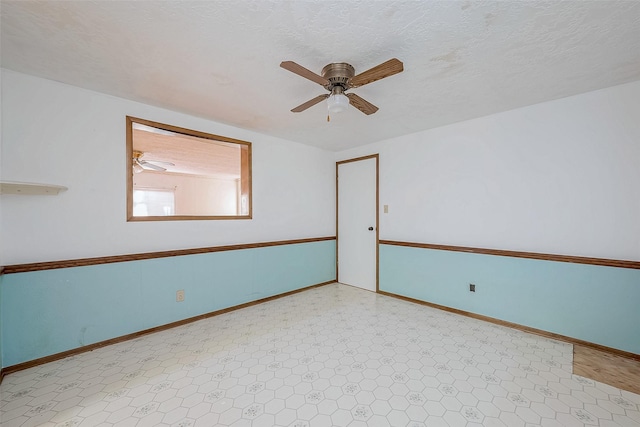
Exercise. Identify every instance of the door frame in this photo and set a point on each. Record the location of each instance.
(357, 159)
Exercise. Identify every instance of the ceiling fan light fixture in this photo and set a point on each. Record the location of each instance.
(137, 168)
(337, 103)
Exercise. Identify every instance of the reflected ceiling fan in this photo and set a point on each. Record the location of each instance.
(140, 165)
(339, 77)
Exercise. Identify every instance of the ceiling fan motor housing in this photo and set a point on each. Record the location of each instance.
(338, 74)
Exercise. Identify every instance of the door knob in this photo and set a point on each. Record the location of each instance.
(370, 228)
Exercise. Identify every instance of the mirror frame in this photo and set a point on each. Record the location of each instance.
(246, 171)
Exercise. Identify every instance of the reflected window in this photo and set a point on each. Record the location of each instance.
(153, 202)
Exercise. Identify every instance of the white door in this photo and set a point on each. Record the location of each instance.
(357, 222)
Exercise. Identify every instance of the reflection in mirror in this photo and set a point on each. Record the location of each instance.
(175, 174)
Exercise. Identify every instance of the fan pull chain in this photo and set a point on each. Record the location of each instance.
(328, 118)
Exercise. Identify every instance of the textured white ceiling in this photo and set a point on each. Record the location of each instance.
(220, 59)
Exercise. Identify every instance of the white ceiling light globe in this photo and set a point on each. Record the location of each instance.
(337, 103)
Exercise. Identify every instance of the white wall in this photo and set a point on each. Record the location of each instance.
(60, 134)
(558, 177)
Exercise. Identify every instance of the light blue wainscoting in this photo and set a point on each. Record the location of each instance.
(47, 312)
(1, 321)
(588, 302)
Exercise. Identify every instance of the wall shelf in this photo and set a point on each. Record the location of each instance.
(30, 189)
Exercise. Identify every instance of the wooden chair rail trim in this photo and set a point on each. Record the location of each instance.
(51, 265)
(540, 332)
(530, 255)
(51, 358)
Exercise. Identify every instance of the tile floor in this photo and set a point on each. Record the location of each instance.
(329, 356)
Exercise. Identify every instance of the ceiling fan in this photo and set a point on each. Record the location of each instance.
(139, 165)
(339, 77)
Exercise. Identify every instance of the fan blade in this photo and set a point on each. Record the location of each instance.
(386, 69)
(159, 162)
(362, 105)
(303, 72)
(309, 103)
(146, 165)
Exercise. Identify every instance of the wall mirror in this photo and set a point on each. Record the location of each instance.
(180, 174)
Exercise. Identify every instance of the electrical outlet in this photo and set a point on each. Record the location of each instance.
(180, 295)
(472, 287)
